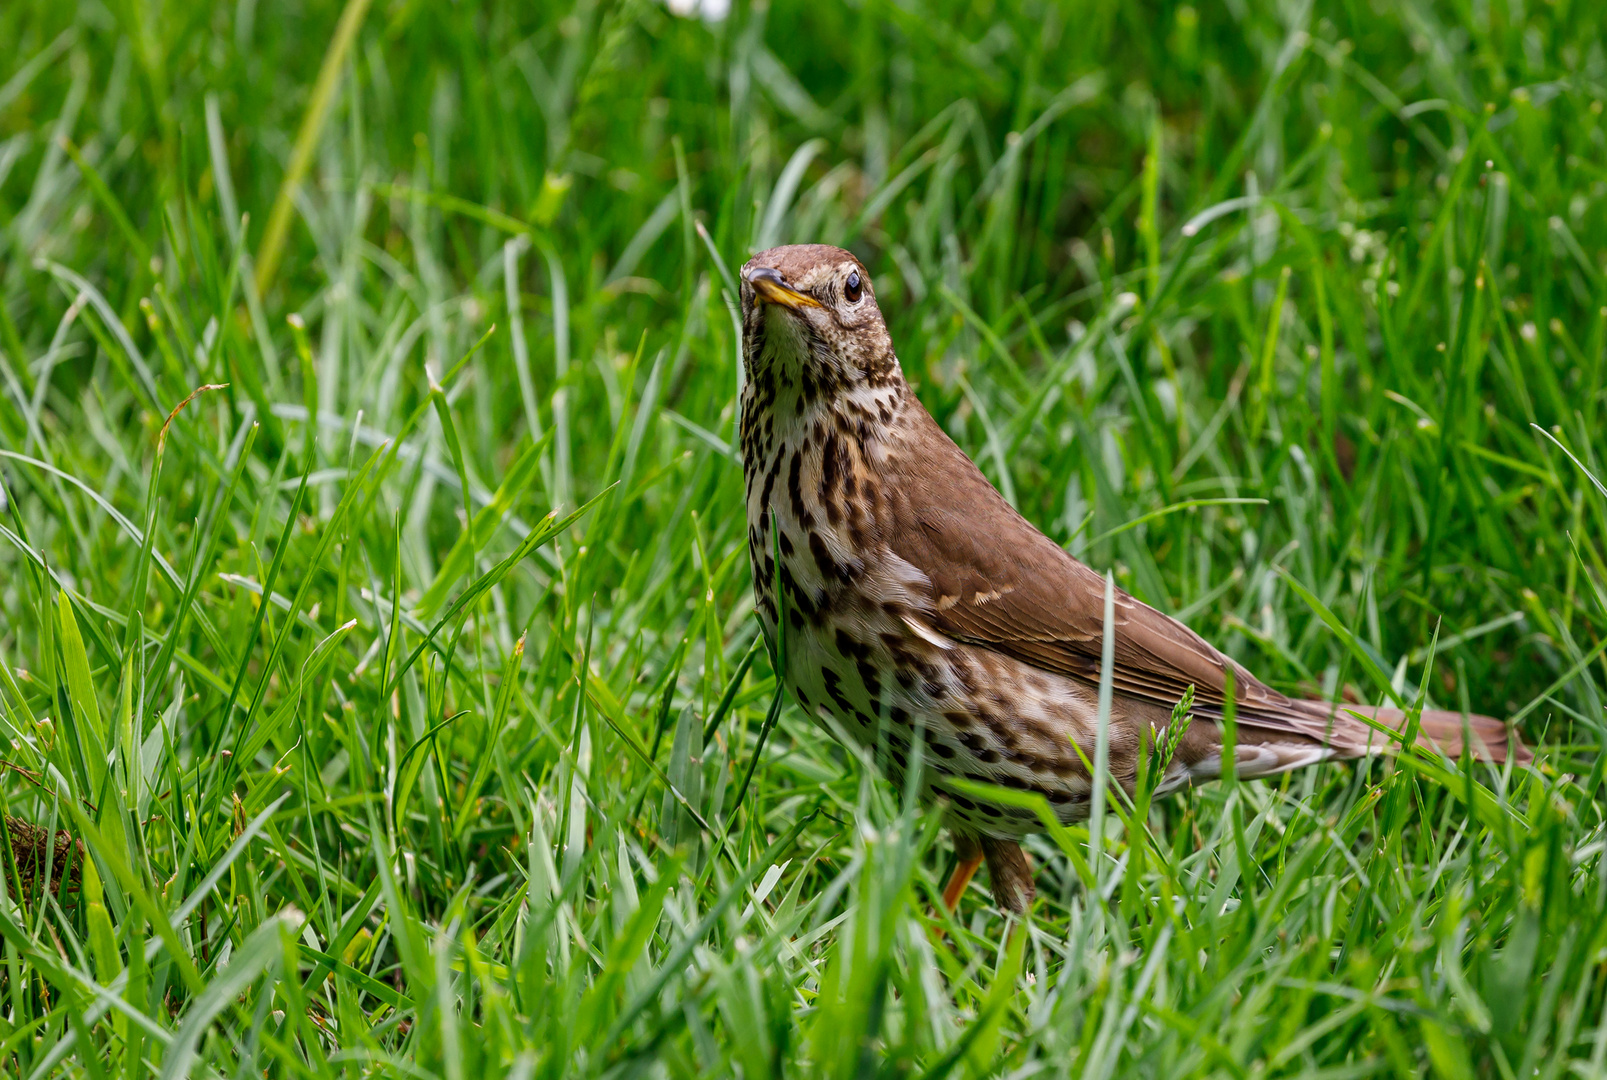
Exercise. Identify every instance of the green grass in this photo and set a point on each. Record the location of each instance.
(1295, 319)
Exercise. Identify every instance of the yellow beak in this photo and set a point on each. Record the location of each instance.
(772, 288)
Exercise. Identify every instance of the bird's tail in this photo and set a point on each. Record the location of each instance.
(1307, 732)
(1451, 733)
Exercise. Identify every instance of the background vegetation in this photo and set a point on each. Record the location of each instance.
(402, 686)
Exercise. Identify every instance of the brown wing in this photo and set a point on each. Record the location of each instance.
(998, 582)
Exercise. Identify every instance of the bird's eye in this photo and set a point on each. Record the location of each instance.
(852, 286)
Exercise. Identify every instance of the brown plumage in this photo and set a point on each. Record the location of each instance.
(921, 606)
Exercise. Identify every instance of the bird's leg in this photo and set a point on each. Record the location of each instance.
(1010, 874)
(969, 854)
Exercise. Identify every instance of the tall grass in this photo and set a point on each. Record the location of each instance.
(374, 610)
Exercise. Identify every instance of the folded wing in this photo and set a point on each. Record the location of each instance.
(999, 583)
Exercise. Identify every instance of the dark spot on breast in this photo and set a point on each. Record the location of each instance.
(979, 748)
(834, 690)
(941, 749)
(830, 569)
(795, 491)
(894, 643)
(830, 475)
(857, 533)
(1032, 761)
(868, 676)
(769, 484)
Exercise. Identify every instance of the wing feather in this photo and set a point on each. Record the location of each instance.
(999, 583)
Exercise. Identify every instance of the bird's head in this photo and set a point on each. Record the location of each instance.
(809, 318)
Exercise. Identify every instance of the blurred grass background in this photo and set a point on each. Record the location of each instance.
(401, 693)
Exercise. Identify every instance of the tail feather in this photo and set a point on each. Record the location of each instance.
(1314, 731)
(1450, 733)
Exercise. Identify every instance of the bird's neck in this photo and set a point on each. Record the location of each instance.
(780, 413)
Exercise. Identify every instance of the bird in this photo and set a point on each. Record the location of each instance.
(905, 599)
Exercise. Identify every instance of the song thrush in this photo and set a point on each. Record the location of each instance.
(920, 604)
